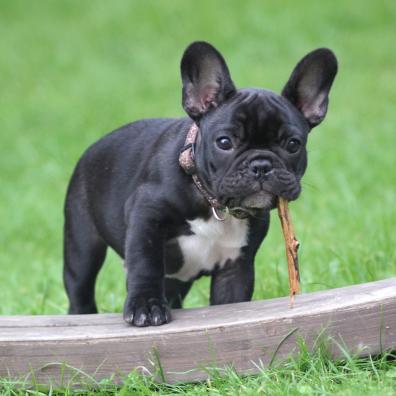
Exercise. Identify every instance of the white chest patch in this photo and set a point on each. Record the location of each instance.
(213, 242)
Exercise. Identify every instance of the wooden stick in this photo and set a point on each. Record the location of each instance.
(292, 245)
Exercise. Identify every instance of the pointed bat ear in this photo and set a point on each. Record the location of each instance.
(309, 85)
(206, 79)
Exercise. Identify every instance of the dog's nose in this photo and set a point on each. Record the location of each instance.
(260, 167)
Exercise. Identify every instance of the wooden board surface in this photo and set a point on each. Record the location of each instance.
(56, 349)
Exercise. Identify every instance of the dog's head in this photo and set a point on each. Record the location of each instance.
(251, 146)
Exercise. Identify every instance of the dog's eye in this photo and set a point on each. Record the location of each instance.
(293, 145)
(224, 143)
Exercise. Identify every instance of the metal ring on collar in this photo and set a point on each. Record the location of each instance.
(216, 213)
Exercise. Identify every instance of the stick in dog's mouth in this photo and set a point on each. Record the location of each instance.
(292, 245)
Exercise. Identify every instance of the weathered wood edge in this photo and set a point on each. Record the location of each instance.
(55, 349)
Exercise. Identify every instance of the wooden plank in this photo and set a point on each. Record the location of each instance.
(52, 349)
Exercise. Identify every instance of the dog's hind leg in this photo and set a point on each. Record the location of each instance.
(84, 254)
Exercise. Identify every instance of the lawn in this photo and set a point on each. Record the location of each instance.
(72, 71)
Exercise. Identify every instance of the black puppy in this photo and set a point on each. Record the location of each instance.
(173, 222)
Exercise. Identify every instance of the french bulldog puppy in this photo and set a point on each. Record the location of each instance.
(173, 220)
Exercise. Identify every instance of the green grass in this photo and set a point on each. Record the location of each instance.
(71, 71)
(310, 374)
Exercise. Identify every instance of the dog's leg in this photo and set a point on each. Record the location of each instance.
(84, 253)
(145, 304)
(233, 283)
(175, 291)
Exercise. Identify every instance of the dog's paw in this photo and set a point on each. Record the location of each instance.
(142, 311)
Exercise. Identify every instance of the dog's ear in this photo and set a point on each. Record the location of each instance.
(309, 84)
(206, 79)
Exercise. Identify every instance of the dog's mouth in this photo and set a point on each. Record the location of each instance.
(236, 190)
(259, 200)
(263, 199)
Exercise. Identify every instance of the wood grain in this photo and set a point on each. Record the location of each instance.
(57, 349)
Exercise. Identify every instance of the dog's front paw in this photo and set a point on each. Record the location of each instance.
(143, 311)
